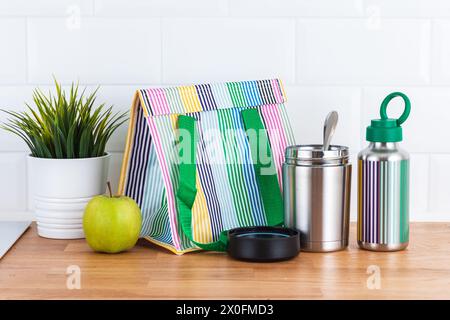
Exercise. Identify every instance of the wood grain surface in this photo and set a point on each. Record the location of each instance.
(35, 268)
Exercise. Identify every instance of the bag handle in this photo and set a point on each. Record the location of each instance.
(187, 189)
(267, 181)
(266, 175)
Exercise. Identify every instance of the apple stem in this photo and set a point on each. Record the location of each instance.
(108, 184)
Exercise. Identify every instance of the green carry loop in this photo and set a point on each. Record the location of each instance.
(386, 129)
(388, 99)
(267, 183)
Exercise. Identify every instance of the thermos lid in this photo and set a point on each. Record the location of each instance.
(313, 154)
(386, 129)
(263, 244)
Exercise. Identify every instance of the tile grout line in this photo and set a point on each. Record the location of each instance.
(27, 186)
(27, 54)
(428, 206)
(301, 85)
(226, 16)
(362, 91)
(161, 61)
(295, 62)
(431, 51)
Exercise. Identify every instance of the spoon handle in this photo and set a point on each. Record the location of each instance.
(328, 128)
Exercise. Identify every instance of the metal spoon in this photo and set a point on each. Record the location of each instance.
(328, 129)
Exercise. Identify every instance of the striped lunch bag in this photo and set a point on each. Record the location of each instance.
(203, 159)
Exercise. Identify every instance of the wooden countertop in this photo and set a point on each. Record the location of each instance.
(35, 268)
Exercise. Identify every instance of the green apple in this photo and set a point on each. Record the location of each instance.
(112, 224)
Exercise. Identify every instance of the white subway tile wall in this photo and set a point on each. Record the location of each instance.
(13, 188)
(214, 49)
(344, 55)
(439, 200)
(96, 50)
(362, 51)
(159, 8)
(45, 7)
(13, 61)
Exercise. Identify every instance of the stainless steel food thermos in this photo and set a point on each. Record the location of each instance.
(383, 184)
(316, 186)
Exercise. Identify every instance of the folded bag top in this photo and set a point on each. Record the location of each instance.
(203, 159)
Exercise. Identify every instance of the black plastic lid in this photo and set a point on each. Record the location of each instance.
(263, 244)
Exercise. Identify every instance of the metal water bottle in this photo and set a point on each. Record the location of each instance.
(383, 184)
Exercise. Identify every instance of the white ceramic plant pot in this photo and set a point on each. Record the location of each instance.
(61, 188)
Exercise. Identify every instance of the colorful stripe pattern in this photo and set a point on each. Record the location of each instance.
(207, 97)
(383, 213)
(228, 195)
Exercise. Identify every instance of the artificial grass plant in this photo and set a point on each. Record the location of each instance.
(65, 127)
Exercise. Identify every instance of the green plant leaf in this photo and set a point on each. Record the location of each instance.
(64, 125)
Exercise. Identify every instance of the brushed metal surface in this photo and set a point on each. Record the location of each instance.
(313, 154)
(317, 203)
(325, 246)
(381, 151)
(328, 128)
(382, 247)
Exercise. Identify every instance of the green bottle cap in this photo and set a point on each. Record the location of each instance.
(386, 129)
